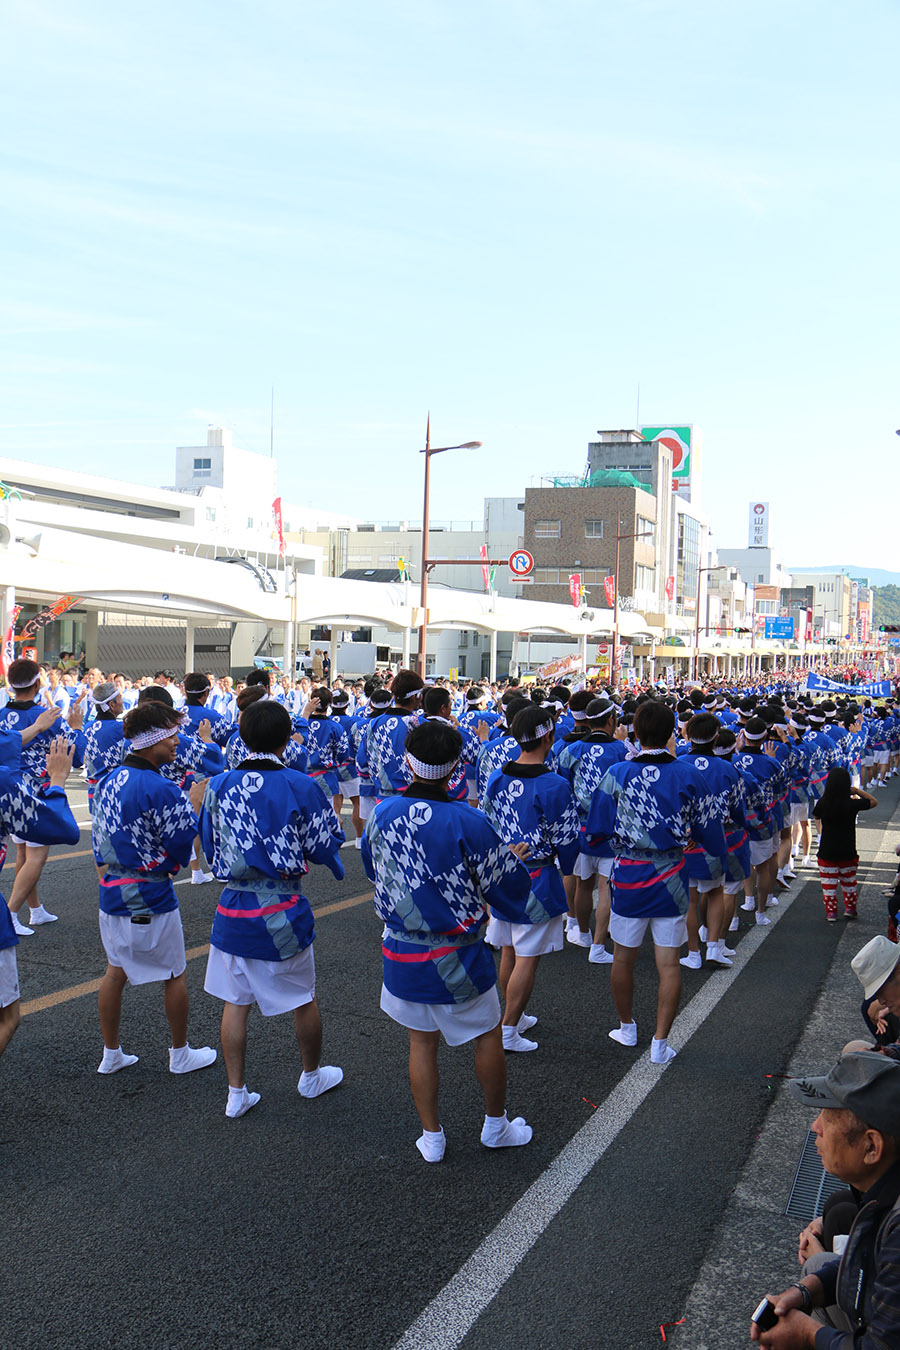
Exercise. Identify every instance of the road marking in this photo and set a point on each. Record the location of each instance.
(91, 986)
(451, 1314)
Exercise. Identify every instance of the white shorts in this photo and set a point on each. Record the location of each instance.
(761, 850)
(799, 812)
(147, 952)
(457, 1022)
(473, 793)
(366, 807)
(274, 986)
(349, 788)
(526, 939)
(16, 840)
(706, 884)
(9, 977)
(666, 932)
(868, 758)
(882, 756)
(587, 866)
(733, 887)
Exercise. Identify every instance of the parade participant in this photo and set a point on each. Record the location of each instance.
(435, 865)
(477, 715)
(527, 803)
(327, 745)
(707, 873)
(21, 712)
(385, 754)
(196, 755)
(650, 807)
(437, 707)
(763, 786)
(378, 700)
(143, 833)
(105, 744)
(261, 825)
(197, 691)
(836, 810)
(737, 863)
(41, 815)
(348, 777)
(295, 756)
(582, 758)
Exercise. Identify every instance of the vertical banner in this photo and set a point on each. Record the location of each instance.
(8, 644)
(609, 586)
(670, 588)
(575, 588)
(279, 525)
(485, 573)
(758, 532)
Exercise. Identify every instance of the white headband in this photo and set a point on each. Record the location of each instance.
(105, 702)
(707, 740)
(579, 716)
(28, 685)
(144, 739)
(431, 771)
(720, 750)
(751, 736)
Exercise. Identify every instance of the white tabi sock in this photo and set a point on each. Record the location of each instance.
(661, 1052)
(431, 1144)
(499, 1132)
(240, 1101)
(625, 1034)
(114, 1060)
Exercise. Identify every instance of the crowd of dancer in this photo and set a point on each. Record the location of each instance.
(489, 818)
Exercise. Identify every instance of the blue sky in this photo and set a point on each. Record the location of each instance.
(510, 213)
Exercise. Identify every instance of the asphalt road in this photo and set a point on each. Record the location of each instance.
(134, 1212)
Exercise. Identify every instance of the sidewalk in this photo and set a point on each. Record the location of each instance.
(755, 1248)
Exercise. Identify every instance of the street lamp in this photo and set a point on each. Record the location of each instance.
(721, 567)
(641, 534)
(428, 451)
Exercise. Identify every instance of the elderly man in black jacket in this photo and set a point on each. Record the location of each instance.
(858, 1138)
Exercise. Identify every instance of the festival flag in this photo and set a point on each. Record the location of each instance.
(609, 586)
(575, 588)
(279, 525)
(486, 575)
(46, 616)
(670, 588)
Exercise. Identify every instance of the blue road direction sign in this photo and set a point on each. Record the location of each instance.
(779, 628)
(521, 562)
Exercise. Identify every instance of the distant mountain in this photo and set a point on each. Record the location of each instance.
(877, 575)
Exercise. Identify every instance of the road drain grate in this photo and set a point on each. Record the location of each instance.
(812, 1184)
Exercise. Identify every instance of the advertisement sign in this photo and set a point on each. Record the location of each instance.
(678, 441)
(563, 665)
(670, 588)
(817, 684)
(609, 586)
(46, 616)
(779, 628)
(809, 625)
(758, 535)
(575, 588)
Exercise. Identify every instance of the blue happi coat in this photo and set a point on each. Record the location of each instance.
(143, 830)
(17, 716)
(530, 804)
(40, 815)
(327, 748)
(763, 778)
(435, 865)
(492, 755)
(221, 728)
(725, 787)
(261, 825)
(383, 752)
(652, 808)
(583, 763)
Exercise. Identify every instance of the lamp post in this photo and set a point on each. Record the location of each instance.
(428, 451)
(642, 534)
(721, 567)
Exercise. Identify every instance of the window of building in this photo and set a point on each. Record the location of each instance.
(475, 638)
(591, 576)
(593, 529)
(647, 528)
(463, 639)
(645, 578)
(202, 468)
(210, 513)
(760, 577)
(547, 529)
(249, 522)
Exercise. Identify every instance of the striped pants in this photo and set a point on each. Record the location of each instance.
(830, 873)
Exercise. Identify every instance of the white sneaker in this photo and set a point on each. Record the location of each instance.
(599, 956)
(40, 915)
(21, 929)
(578, 939)
(763, 919)
(186, 1060)
(693, 961)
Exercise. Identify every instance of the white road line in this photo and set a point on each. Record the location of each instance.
(450, 1315)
